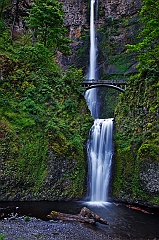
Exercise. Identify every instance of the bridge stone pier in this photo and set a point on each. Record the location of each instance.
(119, 85)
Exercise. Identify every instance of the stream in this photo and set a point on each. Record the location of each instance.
(124, 222)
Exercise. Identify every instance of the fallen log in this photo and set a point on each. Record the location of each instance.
(85, 216)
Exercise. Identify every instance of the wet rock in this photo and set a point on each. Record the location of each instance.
(37, 229)
(149, 176)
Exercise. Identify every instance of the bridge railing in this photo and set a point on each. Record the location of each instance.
(119, 84)
(103, 81)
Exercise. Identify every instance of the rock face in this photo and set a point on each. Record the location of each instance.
(149, 176)
(75, 21)
(120, 8)
(75, 17)
(116, 24)
(17, 12)
(77, 12)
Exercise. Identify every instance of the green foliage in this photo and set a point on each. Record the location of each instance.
(148, 47)
(112, 51)
(5, 38)
(122, 61)
(109, 98)
(46, 21)
(27, 219)
(2, 236)
(82, 53)
(44, 114)
(137, 115)
(149, 149)
(3, 5)
(35, 54)
(42, 110)
(2, 27)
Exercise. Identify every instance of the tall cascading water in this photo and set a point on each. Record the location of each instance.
(91, 95)
(100, 157)
(99, 146)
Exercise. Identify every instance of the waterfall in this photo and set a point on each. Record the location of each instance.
(91, 95)
(100, 156)
(93, 44)
(100, 141)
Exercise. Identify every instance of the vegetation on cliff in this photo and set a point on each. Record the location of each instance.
(137, 118)
(44, 118)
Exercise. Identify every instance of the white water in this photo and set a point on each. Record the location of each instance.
(91, 95)
(93, 45)
(100, 144)
(100, 155)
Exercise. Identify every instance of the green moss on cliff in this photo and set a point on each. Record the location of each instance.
(136, 138)
(137, 159)
(44, 121)
(41, 117)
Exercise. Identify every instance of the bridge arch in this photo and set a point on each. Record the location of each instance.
(119, 85)
(104, 85)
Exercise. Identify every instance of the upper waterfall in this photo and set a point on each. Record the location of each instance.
(93, 44)
(91, 95)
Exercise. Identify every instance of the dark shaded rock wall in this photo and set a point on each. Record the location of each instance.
(117, 25)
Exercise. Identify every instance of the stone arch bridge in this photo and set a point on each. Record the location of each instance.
(119, 85)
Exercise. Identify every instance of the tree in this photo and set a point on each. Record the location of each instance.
(46, 21)
(148, 47)
(3, 5)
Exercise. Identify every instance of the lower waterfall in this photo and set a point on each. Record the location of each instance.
(100, 153)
